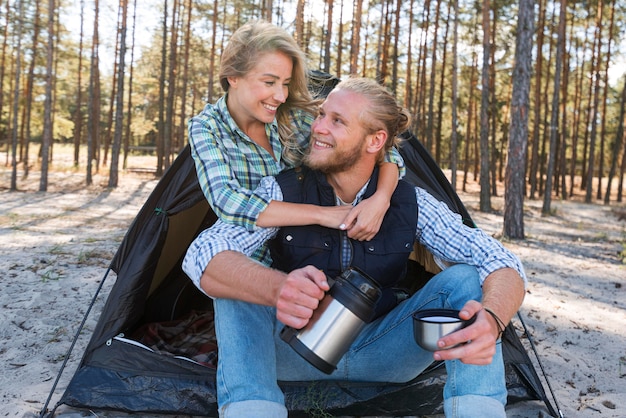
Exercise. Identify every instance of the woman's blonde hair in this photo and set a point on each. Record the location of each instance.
(383, 111)
(241, 55)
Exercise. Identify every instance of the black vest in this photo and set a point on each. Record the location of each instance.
(384, 258)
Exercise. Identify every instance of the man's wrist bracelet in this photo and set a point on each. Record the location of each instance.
(499, 322)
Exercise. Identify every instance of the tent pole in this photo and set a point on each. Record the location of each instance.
(545, 376)
(42, 413)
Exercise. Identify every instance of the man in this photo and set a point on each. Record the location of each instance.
(252, 302)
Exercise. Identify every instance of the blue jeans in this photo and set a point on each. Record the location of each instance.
(252, 357)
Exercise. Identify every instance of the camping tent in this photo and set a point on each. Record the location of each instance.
(130, 365)
(154, 351)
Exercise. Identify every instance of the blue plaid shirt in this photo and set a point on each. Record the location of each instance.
(230, 165)
(438, 229)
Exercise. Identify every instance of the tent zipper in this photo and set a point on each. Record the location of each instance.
(120, 338)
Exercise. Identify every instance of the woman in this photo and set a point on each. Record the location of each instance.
(261, 126)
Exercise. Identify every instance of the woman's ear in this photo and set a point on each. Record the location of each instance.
(376, 141)
(232, 81)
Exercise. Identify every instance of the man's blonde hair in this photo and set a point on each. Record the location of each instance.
(383, 111)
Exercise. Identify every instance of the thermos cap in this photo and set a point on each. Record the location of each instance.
(361, 281)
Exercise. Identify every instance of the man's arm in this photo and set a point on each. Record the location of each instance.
(503, 294)
(232, 275)
(500, 271)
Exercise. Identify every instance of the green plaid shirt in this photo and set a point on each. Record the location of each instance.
(230, 165)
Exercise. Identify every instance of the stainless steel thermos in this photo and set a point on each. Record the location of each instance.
(338, 320)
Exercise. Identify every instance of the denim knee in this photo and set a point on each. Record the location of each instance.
(453, 287)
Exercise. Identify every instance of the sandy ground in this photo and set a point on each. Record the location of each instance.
(56, 246)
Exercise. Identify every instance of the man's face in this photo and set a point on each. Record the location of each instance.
(337, 135)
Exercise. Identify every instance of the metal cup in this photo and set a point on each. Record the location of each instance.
(429, 325)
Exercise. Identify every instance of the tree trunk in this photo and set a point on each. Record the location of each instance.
(339, 41)
(621, 177)
(47, 118)
(544, 118)
(114, 84)
(129, 111)
(93, 132)
(78, 116)
(589, 109)
(55, 78)
(267, 7)
(554, 118)
(604, 100)
(171, 87)
(328, 36)
(470, 118)
(442, 78)
(504, 141)
(534, 157)
(356, 36)
(565, 128)
(395, 55)
(299, 35)
(493, 106)
(485, 198)
(16, 97)
(576, 122)
(29, 90)
(119, 101)
(383, 42)
(455, 76)
(421, 86)
(183, 104)
(408, 86)
(430, 123)
(365, 45)
(160, 138)
(518, 141)
(617, 145)
(2, 70)
(594, 109)
(213, 52)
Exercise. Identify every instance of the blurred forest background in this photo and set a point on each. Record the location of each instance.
(538, 85)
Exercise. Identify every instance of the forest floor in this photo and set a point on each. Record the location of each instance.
(56, 246)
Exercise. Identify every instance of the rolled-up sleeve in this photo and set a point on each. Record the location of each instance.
(445, 235)
(225, 236)
(393, 156)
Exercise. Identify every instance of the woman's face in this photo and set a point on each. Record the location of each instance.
(256, 96)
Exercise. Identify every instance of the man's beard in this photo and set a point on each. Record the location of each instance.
(338, 162)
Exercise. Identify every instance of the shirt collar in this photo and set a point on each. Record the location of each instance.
(357, 199)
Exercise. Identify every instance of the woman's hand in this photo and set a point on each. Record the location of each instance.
(364, 220)
(332, 216)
